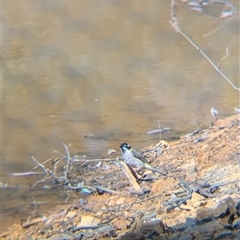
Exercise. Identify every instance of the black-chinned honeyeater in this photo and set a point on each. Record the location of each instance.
(135, 160)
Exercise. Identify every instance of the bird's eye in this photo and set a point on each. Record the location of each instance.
(123, 145)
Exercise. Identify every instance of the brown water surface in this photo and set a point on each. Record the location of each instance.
(113, 69)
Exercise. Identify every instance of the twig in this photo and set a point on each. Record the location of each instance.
(211, 32)
(6, 185)
(28, 223)
(68, 166)
(130, 177)
(48, 160)
(35, 203)
(106, 190)
(75, 229)
(94, 160)
(213, 64)
(55, 163)
(178, 201)
(42, 180)
(227, 54)
(46, 170)
(67, 152)
(217, 185)
(24, 174)
(174, 14)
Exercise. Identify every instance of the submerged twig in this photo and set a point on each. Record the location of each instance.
(68, 166)
(46, 170)
(227, 54)
(24, 174)
(174, 14)
(211, 62)
(63, 178)
(158, 131)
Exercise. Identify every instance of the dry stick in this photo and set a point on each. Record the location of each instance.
(94, 160)
(55, 165)
(174, 20)
(212, 63)
(26, 174)
(46, 171)
(28, 223)
(66, 149)
(68, 168)
(130, 177)
(68, 165)
(48, 160)
(211, 32)
(106, 190)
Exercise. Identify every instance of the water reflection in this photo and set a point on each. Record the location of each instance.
(108, 68)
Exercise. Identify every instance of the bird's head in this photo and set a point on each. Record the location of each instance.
(125, 147)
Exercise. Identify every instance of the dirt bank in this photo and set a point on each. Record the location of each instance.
(199, 199)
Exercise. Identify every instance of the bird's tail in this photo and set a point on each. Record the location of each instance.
(154, 169)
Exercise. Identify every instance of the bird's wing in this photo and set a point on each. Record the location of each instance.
(139, 155)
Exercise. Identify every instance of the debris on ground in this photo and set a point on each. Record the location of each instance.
(198, 199)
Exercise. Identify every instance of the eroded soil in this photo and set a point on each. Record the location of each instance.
(199, 199)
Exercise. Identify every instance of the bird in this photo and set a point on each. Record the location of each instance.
(135, 160)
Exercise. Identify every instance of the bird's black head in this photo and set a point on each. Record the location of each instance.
(125, 146)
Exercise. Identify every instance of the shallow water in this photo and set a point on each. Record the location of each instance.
(113, 70)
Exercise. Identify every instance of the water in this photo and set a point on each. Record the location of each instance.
(110, 69)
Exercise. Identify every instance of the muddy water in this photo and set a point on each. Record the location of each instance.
(111, 70)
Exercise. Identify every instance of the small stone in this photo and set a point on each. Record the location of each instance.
(221, 210)
(82, 201)
(238, 206)
(70, 214)
(162, 185)
(88, 220)
(120, 224)
(185, 208)
(204, 215)
(224, 234)
(224, 222)
(236, 223)
(190, 221)
(196, 201)
(231, 205)
(200, 203)
(225, 207)
(120, 201)
(168, 209)
(205, 231)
